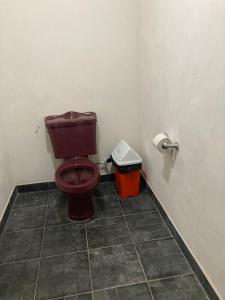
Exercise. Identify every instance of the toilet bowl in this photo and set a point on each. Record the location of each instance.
(78, 178)
(73, 138)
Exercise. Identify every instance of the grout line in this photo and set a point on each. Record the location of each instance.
(105, 247)
(44, 257)
(159, 239)
(146, 279)
(67, 253)
(99, 290)
(89, 263)
(121, 286)
(41, 191)
(19, 261)
(170, 237)
(106, 218)
(22, 230)
(170, 277)
(140, 213)
(42, 243)
(57, 225)
(22, 208)
(67, 296)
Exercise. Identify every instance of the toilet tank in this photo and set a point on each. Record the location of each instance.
(72, 134)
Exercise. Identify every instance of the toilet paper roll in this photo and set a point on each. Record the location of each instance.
(159, 139)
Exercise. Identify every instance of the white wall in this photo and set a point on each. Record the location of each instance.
(67, 55)
(6, 178)
(183, 93)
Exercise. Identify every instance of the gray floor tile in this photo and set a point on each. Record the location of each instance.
(17, 280)
(184, 287)
(116, 265)
(138, 204)
(132, 292)
(26, 218)
(80, 297)
(63, 275)
(56, 195)
(107, 232)
(31, 199)
(105, 188)
(20, 245)
(162, 258)
(57, 209)
(106, 206)
(148, 226)
(64, 238)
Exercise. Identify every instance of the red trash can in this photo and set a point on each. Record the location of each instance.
(128, 167)
(128, 184)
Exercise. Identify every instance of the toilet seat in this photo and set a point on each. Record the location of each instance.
(77, 176)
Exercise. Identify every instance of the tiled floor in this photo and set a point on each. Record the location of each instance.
(126, 253)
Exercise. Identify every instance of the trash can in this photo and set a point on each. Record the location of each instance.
(128, 165)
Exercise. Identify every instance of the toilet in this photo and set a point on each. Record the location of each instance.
(73, 138)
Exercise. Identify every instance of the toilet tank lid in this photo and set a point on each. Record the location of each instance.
(70, 118)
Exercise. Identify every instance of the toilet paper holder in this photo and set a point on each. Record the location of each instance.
(170, 146)
(162, 142)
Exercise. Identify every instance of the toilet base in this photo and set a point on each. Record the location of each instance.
(80, 207)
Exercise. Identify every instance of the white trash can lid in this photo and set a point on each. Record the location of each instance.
(124, 155)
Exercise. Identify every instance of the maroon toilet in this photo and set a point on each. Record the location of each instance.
(73, 137)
